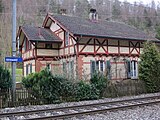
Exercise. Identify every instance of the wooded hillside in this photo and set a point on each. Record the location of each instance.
(145, 17)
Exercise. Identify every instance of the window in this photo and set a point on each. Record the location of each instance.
(66, 38)
(100, 65)
(48, 45)
(31, 68)
(71, 69)
(132, 69)
(25, 44)
(26, 69)
(72, 66)
(48, 65)
(29, 45)
(93, 68)
(128, 68)
(108, 69)
(64, 68)
(97, 66)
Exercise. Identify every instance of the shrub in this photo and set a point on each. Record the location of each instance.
(46, 86)
(86, 91)
(56, 88)
(100, 82)
(5, 78)
(149, 67)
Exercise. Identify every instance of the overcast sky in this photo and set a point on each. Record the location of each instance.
(144, 1)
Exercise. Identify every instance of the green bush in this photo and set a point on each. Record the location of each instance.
(57, 88)
(100, 82)
(5, 78)
(86, 91)
(149, 67)
(46, 86)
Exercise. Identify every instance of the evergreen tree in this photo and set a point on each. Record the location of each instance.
(116, 9)
(5, 78)
(82, 8)
(149, 68)
(147, 20)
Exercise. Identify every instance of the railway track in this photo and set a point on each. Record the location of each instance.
(70, 111)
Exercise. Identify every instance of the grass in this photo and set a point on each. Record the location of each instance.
(19, 74)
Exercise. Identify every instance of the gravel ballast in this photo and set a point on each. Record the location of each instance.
(151, 112)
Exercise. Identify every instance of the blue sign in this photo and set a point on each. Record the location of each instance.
(13, 59)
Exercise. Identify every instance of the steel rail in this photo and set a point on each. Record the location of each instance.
(74, 106)
(67, 115)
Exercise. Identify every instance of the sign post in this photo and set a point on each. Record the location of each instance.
(13, 59)
(13, 50)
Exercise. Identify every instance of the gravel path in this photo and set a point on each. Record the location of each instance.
(151, 112)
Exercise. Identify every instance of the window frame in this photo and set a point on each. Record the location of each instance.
(25, 44)
(64, 67)
(66, 38)
(29, 45)
(95, 65)
(30, 67)
(27, 72)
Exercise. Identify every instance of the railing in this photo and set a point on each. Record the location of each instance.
(23, 97)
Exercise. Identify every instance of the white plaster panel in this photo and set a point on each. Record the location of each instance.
(112, 42)
(45, 52)
(112, 49)
(124, 50)
(54, 27)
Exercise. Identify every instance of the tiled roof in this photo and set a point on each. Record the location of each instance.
(80, 26)
(40, 34)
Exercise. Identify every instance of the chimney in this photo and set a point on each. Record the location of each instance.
(93, 15)
(63, 11)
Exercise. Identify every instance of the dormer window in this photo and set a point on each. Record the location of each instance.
(66, 38)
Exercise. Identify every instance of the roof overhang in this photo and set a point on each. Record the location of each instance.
(114, 37)
(47, 41)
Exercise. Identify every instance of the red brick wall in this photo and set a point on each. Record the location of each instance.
(80, 66)
(38, 66)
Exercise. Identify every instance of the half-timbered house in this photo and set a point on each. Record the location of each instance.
(77, 47)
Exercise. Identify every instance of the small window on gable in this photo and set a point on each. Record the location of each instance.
(48, 45)
(25, 44)
(29, 45)
(66, 38)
